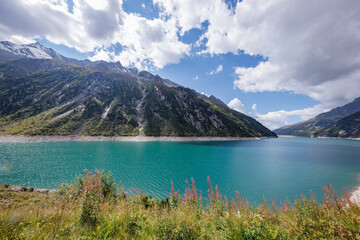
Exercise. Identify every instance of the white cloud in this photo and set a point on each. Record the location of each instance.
(188, 13)
(102, 54)
(196, 77)
(237, 105)
(280, 118)
(310, 47)
(143, 5)
(94, 25)
(216, 71)
(253, 107)
(208, 95)
(146, 40)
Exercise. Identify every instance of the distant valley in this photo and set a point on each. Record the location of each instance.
(342, 122)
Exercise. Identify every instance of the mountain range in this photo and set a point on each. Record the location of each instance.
(342, 121)
(45, 93)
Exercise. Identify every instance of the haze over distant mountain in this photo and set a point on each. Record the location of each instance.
(324, 124)
(45, 93)
(347, 127)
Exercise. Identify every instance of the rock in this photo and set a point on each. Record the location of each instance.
(12, 190)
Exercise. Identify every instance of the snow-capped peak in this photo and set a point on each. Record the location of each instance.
(33, 50)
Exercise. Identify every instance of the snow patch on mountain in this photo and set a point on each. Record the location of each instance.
(33, 50)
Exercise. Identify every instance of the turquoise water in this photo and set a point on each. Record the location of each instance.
(275, 168)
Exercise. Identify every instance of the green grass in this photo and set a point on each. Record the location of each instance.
(94, 208)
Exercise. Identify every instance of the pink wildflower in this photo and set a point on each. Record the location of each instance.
(85, 170)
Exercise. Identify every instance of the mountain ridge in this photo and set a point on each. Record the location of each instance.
(347, 127)
(62, 97)
(314, 126)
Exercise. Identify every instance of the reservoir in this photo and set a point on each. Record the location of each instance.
(274, 168)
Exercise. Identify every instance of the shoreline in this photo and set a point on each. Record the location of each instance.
(288, 136)
(354, 195)
(79, 138)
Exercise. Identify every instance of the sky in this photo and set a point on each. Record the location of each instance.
(278, 61)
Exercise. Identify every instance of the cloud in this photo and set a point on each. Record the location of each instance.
(216, 71)
(187, 13)
(143, 5)
(310, 48)
(102, 54)
(274, 120)
(94, 25)
(237, 105)
(208, 95)
(196, 77)
(153, 41)
(253, 107)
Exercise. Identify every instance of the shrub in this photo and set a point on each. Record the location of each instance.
(91, 195)
(106, 182)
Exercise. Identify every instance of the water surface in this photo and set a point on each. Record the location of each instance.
(275, 168)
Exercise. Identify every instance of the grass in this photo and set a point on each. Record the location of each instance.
(93, 207)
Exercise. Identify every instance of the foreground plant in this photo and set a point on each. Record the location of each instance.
(94, 208)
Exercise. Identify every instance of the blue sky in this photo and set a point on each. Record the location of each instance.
(280, 62)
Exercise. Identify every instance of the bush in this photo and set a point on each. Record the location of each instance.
(106, 182)
(91, 195)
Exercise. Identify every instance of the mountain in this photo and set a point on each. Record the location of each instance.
(12, 51)
(62, 96)
(310, 127)
(34, 50)
(348, 127)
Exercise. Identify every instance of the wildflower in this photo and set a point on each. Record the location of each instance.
(172, 188)
(96, 171)
(85, 170)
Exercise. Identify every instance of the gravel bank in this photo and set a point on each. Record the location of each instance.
(20, 138)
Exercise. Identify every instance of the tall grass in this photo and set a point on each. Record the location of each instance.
(94, 208)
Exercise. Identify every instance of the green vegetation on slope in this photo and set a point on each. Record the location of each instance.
(348, 127)
(68, 99)
(93, 208)
(314, 126)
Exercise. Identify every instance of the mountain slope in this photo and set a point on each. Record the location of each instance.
(348, 127)
(321, 121)
(52, 97)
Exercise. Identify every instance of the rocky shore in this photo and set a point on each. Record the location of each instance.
(283, 136)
